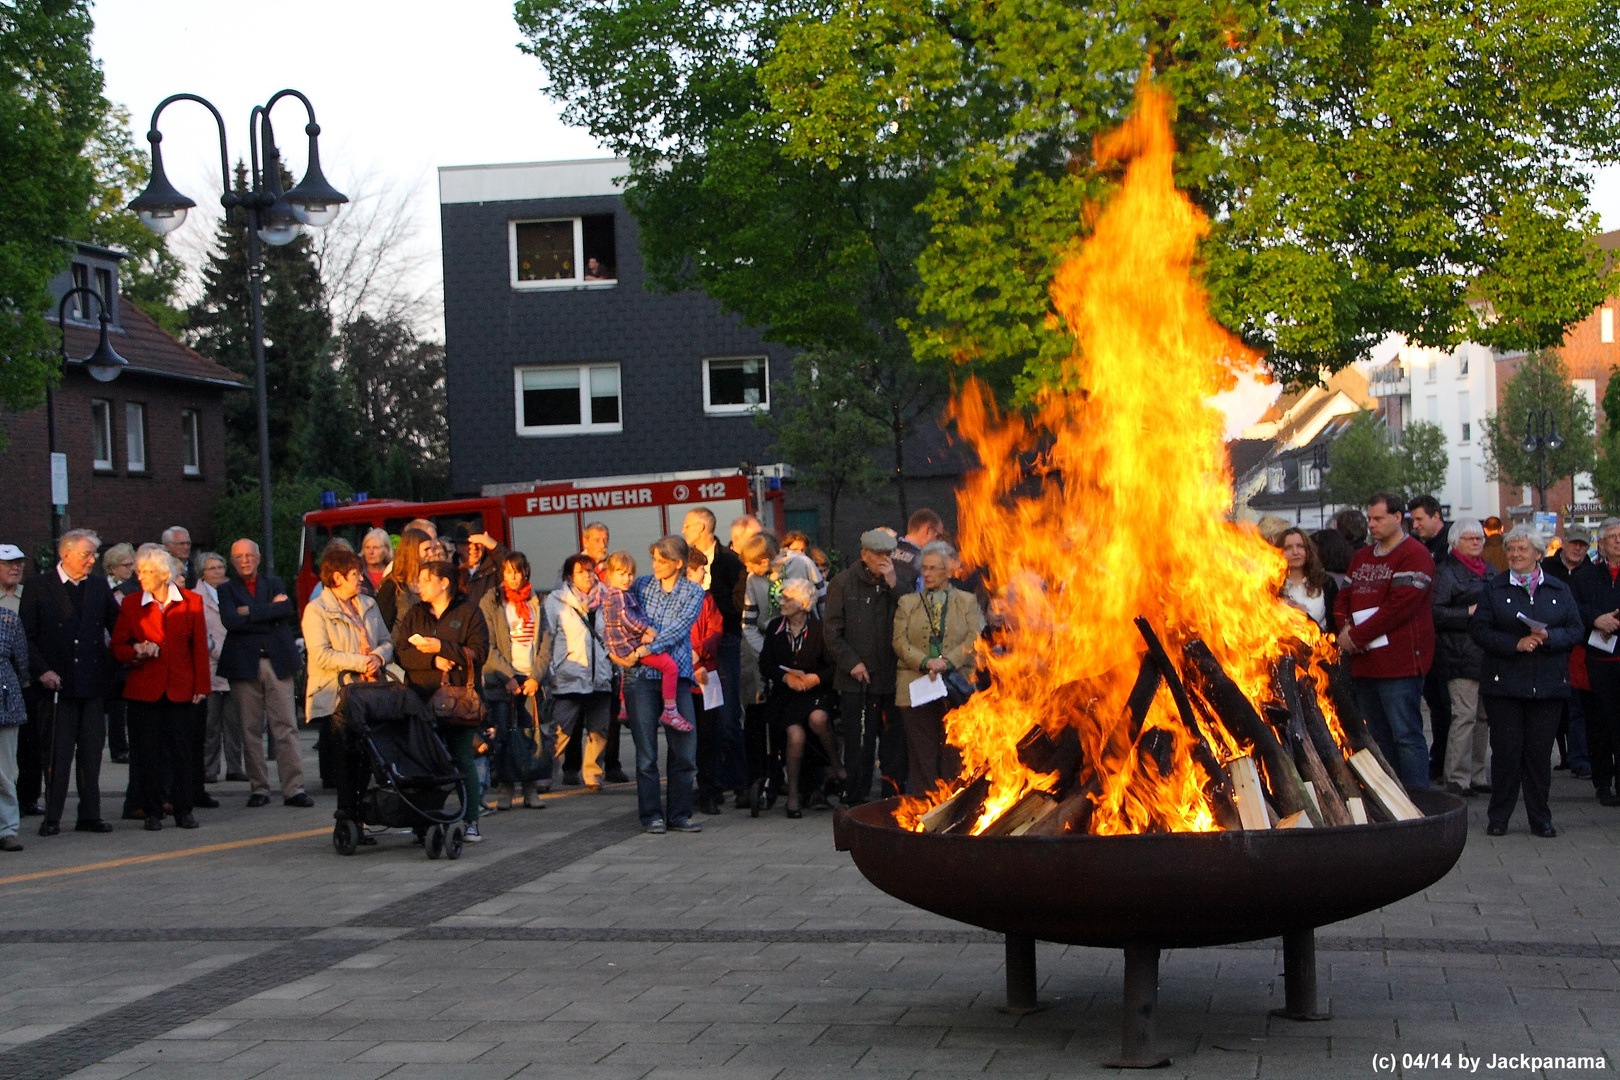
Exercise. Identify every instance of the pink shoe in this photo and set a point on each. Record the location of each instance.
(673, 720)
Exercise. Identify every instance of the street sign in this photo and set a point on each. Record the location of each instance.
(59, 485)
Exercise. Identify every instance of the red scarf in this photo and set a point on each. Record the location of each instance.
(519, 598)
(1478, 566)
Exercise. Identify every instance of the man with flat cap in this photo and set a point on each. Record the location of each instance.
(859, 628)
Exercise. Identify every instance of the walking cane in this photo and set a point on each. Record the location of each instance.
(50, 751)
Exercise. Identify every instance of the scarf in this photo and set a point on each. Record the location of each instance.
(1529, 582)
(350, 610)
(1479, 567)
(519, 598)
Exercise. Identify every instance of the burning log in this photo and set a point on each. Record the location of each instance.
(1218, 789)
(1041, 753)
(1158, 746)
(1023, 815)
(1148, 678)
(961, 810)
(1250, 794)
(1350, 718)
(1330, 807)
(1327, 748)
(1072, 815)
(1240, 718)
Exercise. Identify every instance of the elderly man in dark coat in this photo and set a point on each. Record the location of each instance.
(67, 613)
(260, 658)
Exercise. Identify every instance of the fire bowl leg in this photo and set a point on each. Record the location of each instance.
(1299, 978)
(1141, 1000)
(1021, 999)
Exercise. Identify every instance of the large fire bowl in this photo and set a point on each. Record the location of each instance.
(1143, 893)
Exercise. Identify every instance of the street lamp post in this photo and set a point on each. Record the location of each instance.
(273, 216)
(104, 365)
(1540, 437)
(1319, 458)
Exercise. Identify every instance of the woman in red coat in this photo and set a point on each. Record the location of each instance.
(162, 634)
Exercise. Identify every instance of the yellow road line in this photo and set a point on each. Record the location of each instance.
(206, 849)
(136, 860)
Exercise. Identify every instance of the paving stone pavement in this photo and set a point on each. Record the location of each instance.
(571, 945)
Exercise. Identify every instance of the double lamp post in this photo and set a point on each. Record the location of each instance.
(274, 217)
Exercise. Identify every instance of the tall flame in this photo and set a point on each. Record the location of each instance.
(1123, 514)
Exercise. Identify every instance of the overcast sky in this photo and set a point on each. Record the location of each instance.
(400, 88)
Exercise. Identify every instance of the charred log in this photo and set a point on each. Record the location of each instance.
(1240, 718)
(1023, 815)
(1041, 753)
(1343, 693)
(961, 810)
(1158, 746)
(1327, 748)
(1072, 815)
(1218, 786)
(1148, 678)
(1328, 801)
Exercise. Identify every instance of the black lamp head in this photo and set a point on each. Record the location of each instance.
(315, 201)
(160, 207)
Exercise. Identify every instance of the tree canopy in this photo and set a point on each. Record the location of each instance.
(1364, 460)
(50, 106)
(1540, 384)
(150, 277)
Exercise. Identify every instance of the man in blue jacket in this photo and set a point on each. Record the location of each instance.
(260, 658)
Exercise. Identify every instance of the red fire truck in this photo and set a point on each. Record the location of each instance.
(543, 520)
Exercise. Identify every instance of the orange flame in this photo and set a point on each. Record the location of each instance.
(1124, 513)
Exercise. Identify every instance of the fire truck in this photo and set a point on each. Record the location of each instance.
(544, 519)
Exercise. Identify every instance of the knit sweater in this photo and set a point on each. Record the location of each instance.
(1398, 587)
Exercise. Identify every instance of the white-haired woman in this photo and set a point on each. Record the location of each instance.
(1459, 581)
(797, 667)
(162, 632)
(376, 558)
(935, 632)
(1527, 623)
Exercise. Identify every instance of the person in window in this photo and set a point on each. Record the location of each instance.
(797, 667)
(162, 632)
(595, 271)
(441, 639)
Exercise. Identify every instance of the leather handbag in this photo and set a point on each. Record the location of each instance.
(459, 706)
(957, 688)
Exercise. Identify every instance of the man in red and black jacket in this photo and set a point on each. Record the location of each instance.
(1597, 591)
(1386, 633)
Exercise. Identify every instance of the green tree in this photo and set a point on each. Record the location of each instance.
(237, 515)
(50, 106)
(826, 429)
(1366, 168)
(334, 438)
(1362, 461)
(150, 277)
(1541, 383)
(1606, 473)
(298, 335)
(398, 387)
(821, 260)
(1422, 459)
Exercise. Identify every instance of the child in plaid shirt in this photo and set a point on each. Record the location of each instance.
(625, 628)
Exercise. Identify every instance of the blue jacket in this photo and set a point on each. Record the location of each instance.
(265, 631)
(13, 658)
(1497, 627)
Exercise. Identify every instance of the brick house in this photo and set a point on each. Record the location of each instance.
(144, 451)
(562, 364)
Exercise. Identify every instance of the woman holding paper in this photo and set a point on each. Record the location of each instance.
(798, 669)
(1459, 582)
(1527, 623)
(934, 633)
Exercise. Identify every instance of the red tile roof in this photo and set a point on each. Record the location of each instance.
(149, 350)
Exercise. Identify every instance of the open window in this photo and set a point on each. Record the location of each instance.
(736, 384)
(563, 253)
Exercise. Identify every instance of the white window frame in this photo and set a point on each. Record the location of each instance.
(1606, 326)
(1276, 480)
(1309, 478)
(101, 417)
(577, 281)
(191, 442)
(135, 436)
(736, 410)
(549, 431)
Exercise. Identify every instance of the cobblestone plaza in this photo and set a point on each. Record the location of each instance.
(571, 945)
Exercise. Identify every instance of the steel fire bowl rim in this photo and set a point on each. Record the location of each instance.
(1171, 890)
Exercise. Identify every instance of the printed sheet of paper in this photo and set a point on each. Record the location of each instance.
(1605, 642)
(713, 697)
(1362, 616)
(926, 689)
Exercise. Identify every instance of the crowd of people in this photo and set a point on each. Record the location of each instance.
(766, 678)
(1501, 643)
(745, 672)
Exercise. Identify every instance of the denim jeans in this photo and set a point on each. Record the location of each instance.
(1394, 716)
(1576, 735)
(644, 702)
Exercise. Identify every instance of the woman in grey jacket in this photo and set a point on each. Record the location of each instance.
(512, 676)
(578, 673)
(1459, 581)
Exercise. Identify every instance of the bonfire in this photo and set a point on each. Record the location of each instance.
(1148, 678)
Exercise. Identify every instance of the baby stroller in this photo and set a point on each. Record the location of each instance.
(409, 775)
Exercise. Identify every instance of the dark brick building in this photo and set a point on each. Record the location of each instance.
(561, 364)
(144, 451)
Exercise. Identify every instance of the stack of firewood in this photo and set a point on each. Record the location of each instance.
(1292, 774)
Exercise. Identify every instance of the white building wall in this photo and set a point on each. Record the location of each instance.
(1456, 389)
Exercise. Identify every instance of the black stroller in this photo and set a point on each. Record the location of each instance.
(409, 774)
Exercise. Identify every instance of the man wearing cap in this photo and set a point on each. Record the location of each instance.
(67, 614)
(1565, 563)
(859, 629)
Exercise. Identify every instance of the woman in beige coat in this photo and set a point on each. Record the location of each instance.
(343, 631)
(935, 631)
